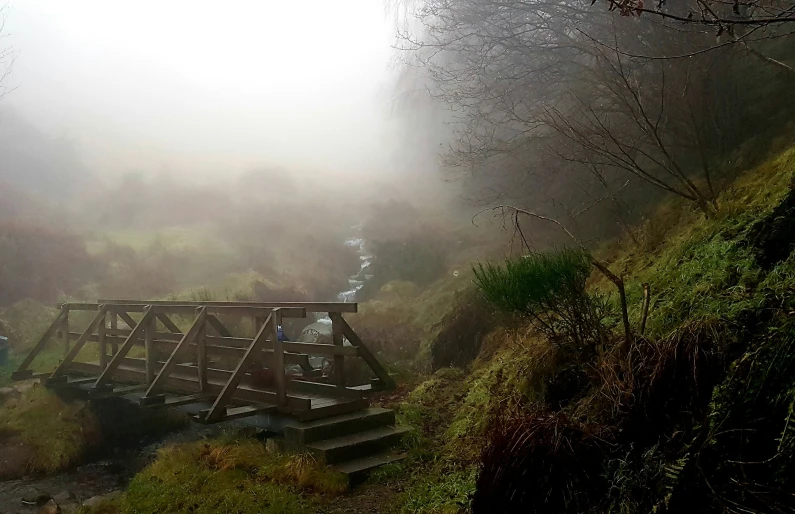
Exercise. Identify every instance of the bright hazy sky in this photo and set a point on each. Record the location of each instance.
(208, 86)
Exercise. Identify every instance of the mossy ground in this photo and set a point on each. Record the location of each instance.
(227, 475)
(57, 433)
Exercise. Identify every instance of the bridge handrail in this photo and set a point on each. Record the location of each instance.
(342, 307)
(263, 348)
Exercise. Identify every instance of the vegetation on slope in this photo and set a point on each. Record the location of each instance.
(696, 413)
(227, 475)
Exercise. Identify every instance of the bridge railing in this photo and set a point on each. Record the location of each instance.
(151, 324)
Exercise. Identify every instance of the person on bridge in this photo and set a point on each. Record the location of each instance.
(280, 334)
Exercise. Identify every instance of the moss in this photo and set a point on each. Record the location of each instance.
(448, 492)
(58, 433)
(227, 475)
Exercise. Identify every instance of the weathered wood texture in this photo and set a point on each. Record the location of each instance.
(208, 361)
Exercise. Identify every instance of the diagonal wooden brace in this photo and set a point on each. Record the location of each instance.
(184, 343)
(253, 352)
(100, 317)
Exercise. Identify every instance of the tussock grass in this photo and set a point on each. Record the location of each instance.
(228, 475)
(696, 415)
(58, 433)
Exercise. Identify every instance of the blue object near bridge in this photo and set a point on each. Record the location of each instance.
(4, 348)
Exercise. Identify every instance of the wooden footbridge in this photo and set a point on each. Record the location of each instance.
(195, 357)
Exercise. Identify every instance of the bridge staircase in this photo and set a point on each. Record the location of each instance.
(194, 356)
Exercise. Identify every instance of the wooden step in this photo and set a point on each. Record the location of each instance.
(357, 468)
(179, 401)
(355, 446)
(297, 433)
(235, 413)
(332, 407)
(246, 410)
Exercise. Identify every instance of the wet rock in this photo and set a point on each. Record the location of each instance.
(274, 445)
(8, 393)
(94, 501)
(35, 496)
(62, 497)
(51, 507)
(246, 432)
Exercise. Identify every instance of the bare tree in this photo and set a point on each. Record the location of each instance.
(627, 121)
(722, 14)
(7, 54)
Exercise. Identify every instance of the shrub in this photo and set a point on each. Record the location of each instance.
(539, 463)
(548, 288)
(58, 433)
(462, 331)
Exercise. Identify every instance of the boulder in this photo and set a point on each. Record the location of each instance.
(51, 507)
(62, 497)
(8, 393)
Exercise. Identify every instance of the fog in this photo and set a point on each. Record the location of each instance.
(206, 88)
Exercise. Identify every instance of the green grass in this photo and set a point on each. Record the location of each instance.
(701, 268)
(58, 433)
(227, 475)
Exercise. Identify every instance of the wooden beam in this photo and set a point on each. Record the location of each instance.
(41, 343)
(166, 321)
(65, 331)
(185, 381)
(72, 353)
(338, 341)
(201, 356)
(114, 363)
(103, 344)
(368, 357)
(237, 342)
(237, 351)
(127, 319)
(219, 405)
(321, 389)
(218, 326)
(114, 325)
(278, 358)
(342, 307)
(149, 348)
(320, 349)
(172, 360)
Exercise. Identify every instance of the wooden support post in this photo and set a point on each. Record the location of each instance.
(218, 410)
(201, 358)
(71, 354)
(103, 346)
(278, 359)
(337, 338)
(149, 348)
(114, 325)
(258, 324)
(368, 357)
(117, 359)
(42, 342)
(65, 330)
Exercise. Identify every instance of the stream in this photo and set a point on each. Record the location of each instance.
(107, 477)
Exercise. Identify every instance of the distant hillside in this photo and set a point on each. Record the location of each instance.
(35, 162)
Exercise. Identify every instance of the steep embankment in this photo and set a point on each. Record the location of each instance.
(695, 414)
